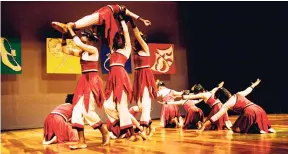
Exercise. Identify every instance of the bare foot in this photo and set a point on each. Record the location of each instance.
(78, 146)
(106, 139)
(133, 138)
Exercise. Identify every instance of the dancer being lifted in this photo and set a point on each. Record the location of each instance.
(215, 105)
(252, 119)
(104, 15)
(89, 91)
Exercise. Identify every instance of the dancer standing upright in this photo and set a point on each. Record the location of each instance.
(89, 90)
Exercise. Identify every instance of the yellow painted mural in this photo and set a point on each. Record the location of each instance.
(59, 62)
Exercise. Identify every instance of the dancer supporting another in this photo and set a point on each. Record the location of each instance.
(193, 113)
(57, 128)
(252, 119)
(170, 114)
(200, 93)
(115, 131)
(118, 87)
(104, 15)
(134, 111)
(89, 90)
(144, 87)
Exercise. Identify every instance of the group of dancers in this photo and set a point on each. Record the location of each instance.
(119, 92)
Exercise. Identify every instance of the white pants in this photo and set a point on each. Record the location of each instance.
(118, 111)
(79, 114)
(146, 108)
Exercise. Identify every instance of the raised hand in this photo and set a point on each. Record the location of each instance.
(147, 22)
(220, 85)
(255, 83)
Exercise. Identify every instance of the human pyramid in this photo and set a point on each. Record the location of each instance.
(101, 26)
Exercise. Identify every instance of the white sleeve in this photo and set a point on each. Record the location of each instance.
(228, 105)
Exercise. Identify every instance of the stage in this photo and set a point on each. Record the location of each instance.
(174, 141)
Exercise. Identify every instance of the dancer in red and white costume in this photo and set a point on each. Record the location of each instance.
(194, 115)
(215, 105)
(57, 128)
(115, 131)
(89, 91)
(104, 15)
(252, 119)
(118, 87)
(170, 114)
(144, 87)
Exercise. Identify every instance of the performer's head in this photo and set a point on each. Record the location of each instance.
(197, 88)
(222, 94)
(137, 45)
(88, 37)
(118, 41)
(69, 98)
(160, 84)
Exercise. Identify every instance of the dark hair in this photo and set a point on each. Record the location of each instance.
(160, 83)
(222, 94)
(138, 46)
(69, 98)
(89, 34)
(118, 41)
(197, 88)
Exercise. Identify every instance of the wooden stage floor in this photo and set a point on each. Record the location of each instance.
(174, 141)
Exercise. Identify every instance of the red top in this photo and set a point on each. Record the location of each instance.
(141, 61)
(106, 14)
(117, 58)
(241, 103)
(64, 110)
(89, 65)
(187, 105)
(211, 101)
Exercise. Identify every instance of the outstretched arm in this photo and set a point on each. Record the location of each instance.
(220, 85)
(135, 16)
(229, 104)
(198, 101)
(249, 89)
(192, 96)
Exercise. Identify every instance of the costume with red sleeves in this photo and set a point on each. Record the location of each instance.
(193, 115)
(143, 77)
(252, 119)
(56, 124)
(215, 106)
